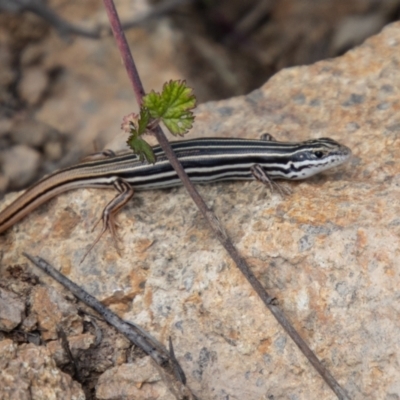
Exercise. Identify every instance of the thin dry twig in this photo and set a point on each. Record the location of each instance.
(65, 345)
(209, 215)
(66, 28)
(250, 20)
(43, 11)
(133, 332)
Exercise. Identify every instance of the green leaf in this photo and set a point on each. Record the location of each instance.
(141, 148)
(179, 125)
(172, 106)
(143, 120)
(137, 125)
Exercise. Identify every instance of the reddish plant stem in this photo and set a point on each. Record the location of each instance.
(126, 54)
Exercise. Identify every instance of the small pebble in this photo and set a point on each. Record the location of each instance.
(33, 84)
(20, 164)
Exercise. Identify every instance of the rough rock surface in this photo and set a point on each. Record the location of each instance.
(27, 372)
(136, 380)
(11, 310)
(329, 252)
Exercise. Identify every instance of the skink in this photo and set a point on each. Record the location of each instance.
(205, 160)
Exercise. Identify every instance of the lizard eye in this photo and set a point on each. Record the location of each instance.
(319, 154)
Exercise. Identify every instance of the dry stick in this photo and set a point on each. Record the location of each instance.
(133, 332)
(66, 28)
(170, 367)
(249, 21)
(208, 214)
(43, 11)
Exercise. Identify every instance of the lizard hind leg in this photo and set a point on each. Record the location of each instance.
(125, 193)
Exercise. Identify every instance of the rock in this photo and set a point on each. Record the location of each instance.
(76, 344)
(328, 253)
(53, 151)
(28, 372)
(5, 126)
(7, 72)
(23, 162)
(33, 84)
(30, 322)
(31, 132)
(54, 312)
(20, 165)
(4, 182)
(138, 380)
(353, 29)
(12, 309)
(32, 54)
